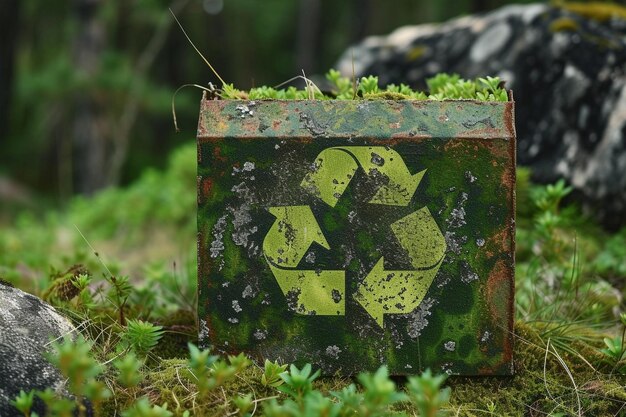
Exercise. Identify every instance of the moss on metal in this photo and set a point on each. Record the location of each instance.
(441, 87)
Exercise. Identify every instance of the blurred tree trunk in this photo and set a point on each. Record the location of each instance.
(9, 24)
(360, 22)
(89, 138)
(308, 34)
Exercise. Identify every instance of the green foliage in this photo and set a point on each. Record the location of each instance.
(615, 351)
(442, 87)
(427, 394)
(141, 337)
(143, 408)
(211, 372)
(24, 402)
(129, 367)
(244, 404)
(298, 382)
(272, 374)
(74, 361)
(379, 393)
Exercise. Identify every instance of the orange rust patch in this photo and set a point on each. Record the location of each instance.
(501, 241)
(499, 298)
(498, 289)
(207, 186)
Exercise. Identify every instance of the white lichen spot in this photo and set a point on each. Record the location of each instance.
(236, 306)
(248, 166)
(480, 242)
(233, 320)
(467, 273)
(418, 319)
(450, 345)
(217, 245)
(260, 334)
(204, 330)
(469, 176)
(310, 257)
(333, 351)
(248, 292)
(485, 337)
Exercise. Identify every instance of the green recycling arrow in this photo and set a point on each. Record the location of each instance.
(284, 246)
(400, 292)
(382, 291)
(335, 167)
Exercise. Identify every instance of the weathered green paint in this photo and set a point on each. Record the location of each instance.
(284, 246)
(351, 234)
(335, 167)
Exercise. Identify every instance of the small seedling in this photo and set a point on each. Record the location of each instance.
(298, 382)
(244, 404)
(141, 337)
(271, 374)
(24, 402)
(129, 370)
(427, 393)
(143, 408)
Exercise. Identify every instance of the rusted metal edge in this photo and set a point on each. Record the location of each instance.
(381, 119)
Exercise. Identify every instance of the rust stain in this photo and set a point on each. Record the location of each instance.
(207, 185)
(499, 299)
(501, 240)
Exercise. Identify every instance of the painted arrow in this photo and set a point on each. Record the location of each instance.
(335, 167)
(400, 292)
(309, 292)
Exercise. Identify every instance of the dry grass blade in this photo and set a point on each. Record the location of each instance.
(571, 377)
(197, 50)
(174, 100)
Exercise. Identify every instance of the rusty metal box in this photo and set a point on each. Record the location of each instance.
(352, 234)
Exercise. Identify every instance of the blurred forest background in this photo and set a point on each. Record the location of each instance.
(86, 85)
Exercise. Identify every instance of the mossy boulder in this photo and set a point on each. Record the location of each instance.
(565, 64)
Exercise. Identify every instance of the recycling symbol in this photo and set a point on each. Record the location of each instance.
(383, 291)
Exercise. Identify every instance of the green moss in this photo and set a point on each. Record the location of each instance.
(564, 24)
(442, 87)
(549, 391)
(416, 52)
(595, 10)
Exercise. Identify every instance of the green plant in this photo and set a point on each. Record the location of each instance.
(24, 402)
(141, 337)
(244, 404)
(369, 85)
(271, 374)
(200, 362)
(129, 368)
(74, 361)
(209, 371)
(298, 382)
(379, 393)
(143, 408)
(427, 394)
(442, 87)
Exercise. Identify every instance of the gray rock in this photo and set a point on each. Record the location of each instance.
(27, 325)
(568, 74)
